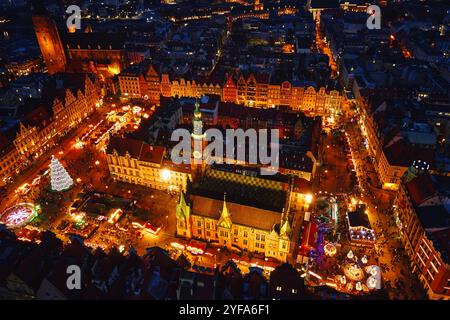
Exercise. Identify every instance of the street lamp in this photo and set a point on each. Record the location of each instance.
(309, 198)
(165, 174)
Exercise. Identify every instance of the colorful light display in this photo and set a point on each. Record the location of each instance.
(19, 215)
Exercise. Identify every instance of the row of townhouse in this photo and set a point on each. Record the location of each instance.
(252, 91)
(10, 164)
(391, 147)
(421, 210)
(74, 98)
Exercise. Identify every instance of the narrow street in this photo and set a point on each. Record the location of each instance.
(397, 275)
(322, 47)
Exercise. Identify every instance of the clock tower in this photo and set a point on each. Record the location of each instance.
(198, 140)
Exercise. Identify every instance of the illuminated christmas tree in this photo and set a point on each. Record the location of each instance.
(60, 179)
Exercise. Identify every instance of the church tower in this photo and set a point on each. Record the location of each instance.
(48, 38)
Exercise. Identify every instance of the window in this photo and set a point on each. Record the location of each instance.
(199, 223)
(263, 237)
(245, 234)
(208, 225)
(235, 232)
(294, 291)
(278, 288)
(245, 242)
(257, 237)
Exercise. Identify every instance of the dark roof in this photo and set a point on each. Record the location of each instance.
(12, 252)
(255, 285)
(55, 87)
(38, 8)
(37, 117)
(93, 41)
(288, 278)
(58, 278)
(401, 153)
(359, 219)
(324, 4)
(441, 242)
(420, 189)
(433, 216)
(201, 288)
(33, 276)
(442, 185)
(136, 149)
(251, 191)
(302, 185)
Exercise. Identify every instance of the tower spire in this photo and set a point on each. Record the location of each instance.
(197, 113)
(285, 229)
(225, 218)
(224, 208)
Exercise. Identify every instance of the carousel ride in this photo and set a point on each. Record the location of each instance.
(351, 275)
(19, 215)
(358, 277)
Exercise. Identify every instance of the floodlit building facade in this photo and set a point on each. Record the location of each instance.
(136, 162)
(215, 212)
(421, 213)
(252, 91)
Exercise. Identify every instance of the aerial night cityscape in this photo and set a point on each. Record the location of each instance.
(247, 150)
